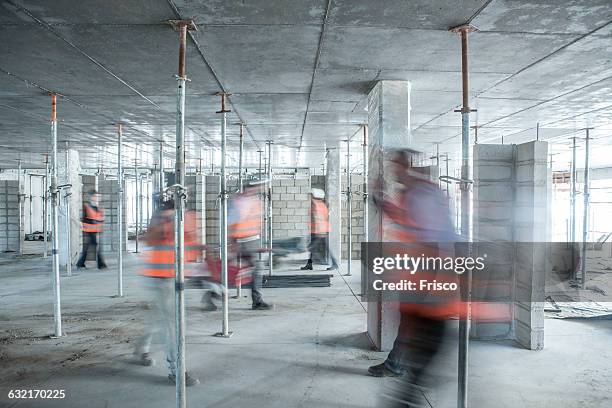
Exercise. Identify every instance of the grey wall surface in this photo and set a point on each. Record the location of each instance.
(290, 208)
(511, 187)
(11, 226)
(109, 240)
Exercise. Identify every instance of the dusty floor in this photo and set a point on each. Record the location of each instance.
(310, 351)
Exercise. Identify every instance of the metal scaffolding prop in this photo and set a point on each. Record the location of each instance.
(269, 210)
(585, 216)
(67, 196)
(466, 216)
(573, 194)
(240, 190)
(225, 332)
(179, 211)
(120, 210)
(46, 206)
(57, 309)
(160, 192)
(138, 203)
(349, 209)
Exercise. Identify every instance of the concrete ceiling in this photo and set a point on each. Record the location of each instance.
(299, 72)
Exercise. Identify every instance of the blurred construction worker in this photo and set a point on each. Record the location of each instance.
(159, 272)
(91, 225)
(417, 216)
(319, 230)
(244, 222)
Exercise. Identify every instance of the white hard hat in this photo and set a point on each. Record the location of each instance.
(318, 193)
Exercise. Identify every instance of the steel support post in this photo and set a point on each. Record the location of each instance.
(438, 164)
(57, 309)
(161, 172)
(349, 209)
(573, 194)
(466, 221)
(19, 207)
(179, 212)
(269, 210)
(585, 216)
(46, 206)
(240, 190)
(365, 188)
(68, 220)
(262, 204)
(223, 218)
(137, 197)
(120, 210)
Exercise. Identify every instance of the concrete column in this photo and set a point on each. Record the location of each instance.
(531, 226)
(68, 173)
(333, 189)
(388, 127)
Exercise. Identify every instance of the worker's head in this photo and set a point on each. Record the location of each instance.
(402, 161)
(93, 197)
(318, 194)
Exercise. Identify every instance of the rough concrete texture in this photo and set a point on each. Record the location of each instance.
(299, 73)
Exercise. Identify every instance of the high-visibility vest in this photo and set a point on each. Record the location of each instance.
(247, 219)
(159, 252)
(92, 219)
(319, 217)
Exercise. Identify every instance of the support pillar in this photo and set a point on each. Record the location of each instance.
(179, 214)
(269, 210)
(585, 216)
(120, 210)
(57, 309)
(333, 194)
(388, 128)
(349, 209)
(225, 332)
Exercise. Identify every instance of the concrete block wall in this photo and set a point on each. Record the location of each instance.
(196, 201)
(510, 207)
(357, 217)
(291, 208)
(108, 190)
(11, 226)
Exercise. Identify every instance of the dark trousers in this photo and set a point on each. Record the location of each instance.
(418, 341)
(318, 248)
(90, 242)
(249, 256)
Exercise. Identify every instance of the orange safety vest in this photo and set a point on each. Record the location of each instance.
(319, 217)
(159, 252)
(92, 219)
(248, 217)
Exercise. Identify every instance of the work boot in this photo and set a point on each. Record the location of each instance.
(261, 306)
(332, 268)
(207, 301)
(144, 359)
(189, 380)
(380, 370)
(103, 266)
(307, 267)
(81, 266)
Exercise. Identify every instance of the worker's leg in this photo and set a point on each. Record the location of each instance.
(311, 248)
(153, 319)
(167, 319)
(94, 243)
(249, 255)
(83, 257)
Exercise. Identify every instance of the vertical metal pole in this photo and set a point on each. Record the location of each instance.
(223, 231)
(466, 221)
(68, 219)
(349, 209)
(57, 310)
(19, 208)
(438, 164)
(179, 221)
(46, 205)
(31, 196)
(240, 190)
(270, 239)
(261, 204)
(365, 184)
(585, 217)
(573, 205)
(446, 160)
(120, 210)
(161, 171)
(137, 198)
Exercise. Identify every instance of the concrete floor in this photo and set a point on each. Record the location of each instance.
(310, 351)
